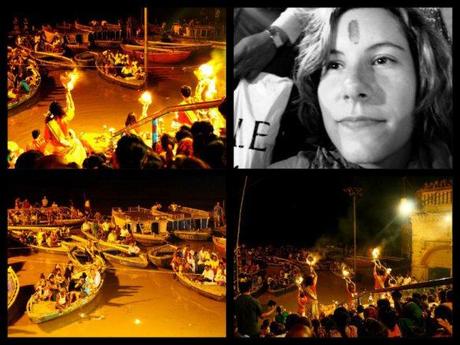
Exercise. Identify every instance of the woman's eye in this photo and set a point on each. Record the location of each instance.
(382, 60)
(332, 65)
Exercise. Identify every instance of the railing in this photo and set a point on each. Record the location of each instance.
(414, 286)
(171, 109)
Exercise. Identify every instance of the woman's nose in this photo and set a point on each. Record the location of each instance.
(357, 84)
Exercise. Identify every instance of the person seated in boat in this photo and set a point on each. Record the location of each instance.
(112, 237)
(220, 277)
(62, 299)
(40, 238)
(190, 262)
(60, 280)
(133, 250)
(96, 278)
(213, 261)
(52, 286)
(68, 272)
(208, 274)
(124, 233)
(177, 260)
(127, 71)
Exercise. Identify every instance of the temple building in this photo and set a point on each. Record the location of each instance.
(431, 245)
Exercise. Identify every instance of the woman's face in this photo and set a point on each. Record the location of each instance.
(367, 89)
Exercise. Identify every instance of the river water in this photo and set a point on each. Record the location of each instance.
(99, 102)
(133, 302)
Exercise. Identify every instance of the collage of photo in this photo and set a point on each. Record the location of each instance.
(121, 180)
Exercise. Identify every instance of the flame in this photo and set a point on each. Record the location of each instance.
(206, 70)
(299, 280)
(69, 79)
(146, 98)
(375, 253)
(388, 270)
(345, 272)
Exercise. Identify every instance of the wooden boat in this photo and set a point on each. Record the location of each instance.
(220, 243)
(107, 44)
(185, 46)
(193, 235)
(35, 228)
(147, 228)
(13, 286)
(150, 239)
(131, 83)
(86, 59)
(40, 54)
(40, 217)
(51, 60)
(122, 258)
(41, 311)
(283, 290)
(83, 27)
(210, 290)
(77, 48)
(161, 256)
(25, 97)
(85, 259)
(157, 55)
(103, 245)
(61, 249)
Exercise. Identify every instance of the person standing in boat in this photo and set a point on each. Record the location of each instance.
(218, 215)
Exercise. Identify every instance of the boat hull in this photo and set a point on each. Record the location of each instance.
(157, 55)
(25, 98)
(132, 84)
(85, 59)
(192, 235)
(37, 312)
(13, 282)
(215, 292)
(139, 261)
(162, 256)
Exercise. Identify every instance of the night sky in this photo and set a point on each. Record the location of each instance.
(106, 11)
(304, 209)
(119, 189)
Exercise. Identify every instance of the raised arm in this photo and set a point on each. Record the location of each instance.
(70, 110)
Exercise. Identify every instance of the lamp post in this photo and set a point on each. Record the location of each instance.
(354, 192)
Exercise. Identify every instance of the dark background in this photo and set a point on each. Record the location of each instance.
(307, 210)
(118, 189)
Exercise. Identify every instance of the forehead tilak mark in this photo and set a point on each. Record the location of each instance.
(353, 31)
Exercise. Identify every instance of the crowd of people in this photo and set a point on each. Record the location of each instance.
(26, 213)
(195, 147)
(44, 238)
(121, 65)
(206, 265)
(419, 314)
(107, 231)
(66, 287)
(22, 72)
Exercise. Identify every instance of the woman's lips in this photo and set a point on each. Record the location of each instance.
(358, 122)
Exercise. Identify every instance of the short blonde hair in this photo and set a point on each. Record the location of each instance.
(432, 60)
